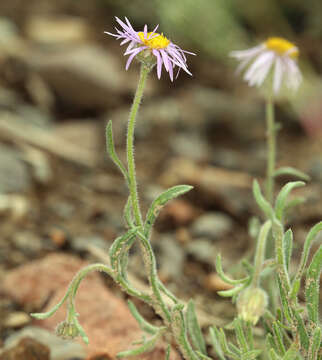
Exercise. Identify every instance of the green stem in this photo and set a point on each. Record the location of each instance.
(130, 144)
(271, 148)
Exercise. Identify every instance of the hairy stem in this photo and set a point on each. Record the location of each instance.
(271, 148)
(130, 145)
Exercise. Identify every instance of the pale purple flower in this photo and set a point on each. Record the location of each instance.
(147, 44)
(276, 54)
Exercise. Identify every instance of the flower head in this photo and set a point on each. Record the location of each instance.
(251, 304)
(67, 330)
(276, 53)
(151, 48)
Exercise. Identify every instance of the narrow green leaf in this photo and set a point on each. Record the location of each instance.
(307, 245)
(225, 278)
(291, 171)
(292, 353)
(144, 325)
(304, 337)
(253, 227)
(288, 247)
(284, 300)
(215, 342)
(81, 331)
(167, 292)
(241, 338)
(111, 150)
(168, 351)
(159, 202)
(203, 356)
(312, 286)
(273, 355)
(127, 213)
(228, 293)
(279, 338)
(147, 346)
(280, 203)
(42, 316)
(251, 354)
(261, 201)
(315, 344)
(194, 329)
(271, 342)
(118, 244)
(227, 347)
(179, 328)
(249, 268)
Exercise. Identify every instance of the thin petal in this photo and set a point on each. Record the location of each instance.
(242, 54)
(170, 70)
(260, 61)
(278, 75)
(165, 59)
(159, 62)
(131, 57)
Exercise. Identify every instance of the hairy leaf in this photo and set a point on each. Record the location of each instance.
(160, 201)
(261, 201)
(287, 170)
(194, 329)
(280, 203)
(111, 150)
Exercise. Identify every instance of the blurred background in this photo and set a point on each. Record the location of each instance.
(61, 198)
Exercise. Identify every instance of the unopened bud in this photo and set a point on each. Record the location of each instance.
(251, 304)
(67, 330)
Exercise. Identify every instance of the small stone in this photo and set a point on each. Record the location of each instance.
(203, 250)
(27, 349)
(58, 237)
(182, 235)
(57, 30)
(14, 175)
(190, 146)
(212, 225)
(85, 76)
(171, 257)
(17, 319)
(28, 242)
(59, 349)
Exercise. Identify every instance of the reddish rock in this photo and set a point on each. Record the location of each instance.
(104, 317)
(27, 349)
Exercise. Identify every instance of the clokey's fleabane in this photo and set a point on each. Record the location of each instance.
(276, 53)
(151, 48)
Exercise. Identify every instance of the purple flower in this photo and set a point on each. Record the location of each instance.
(151, 48)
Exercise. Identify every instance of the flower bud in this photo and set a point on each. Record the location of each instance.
(251, 304)
(67, 330)
(147, 59)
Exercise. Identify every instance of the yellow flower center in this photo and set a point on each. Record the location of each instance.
(282, 46)
(157, 41)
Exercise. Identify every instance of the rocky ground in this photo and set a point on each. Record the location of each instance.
(61, 198)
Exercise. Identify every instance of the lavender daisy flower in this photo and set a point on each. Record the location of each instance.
(151, 48)
(276, 53)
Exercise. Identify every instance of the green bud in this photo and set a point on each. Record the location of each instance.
(67, 330)
(147, 58)
(251, 304)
